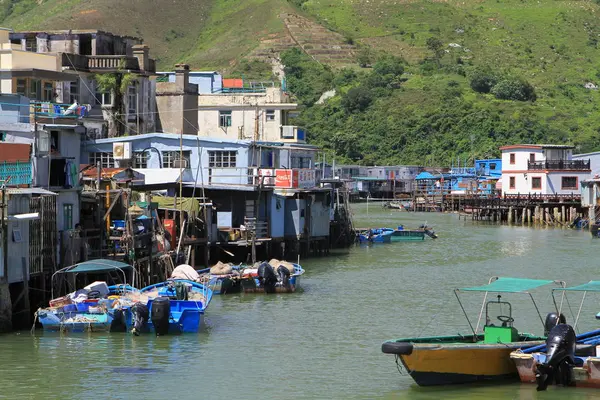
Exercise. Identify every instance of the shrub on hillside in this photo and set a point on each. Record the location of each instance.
(357, 99)
(482, 81)
(514, 89)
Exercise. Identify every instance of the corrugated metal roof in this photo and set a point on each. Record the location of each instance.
(39, 191)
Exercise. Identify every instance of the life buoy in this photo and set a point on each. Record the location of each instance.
(400, 348)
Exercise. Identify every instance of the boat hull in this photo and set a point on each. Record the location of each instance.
(586, 375)
(407, 235)
(76, 322)
(446, 364)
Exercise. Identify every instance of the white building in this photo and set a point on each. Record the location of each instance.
(259, 114)
(544, 170)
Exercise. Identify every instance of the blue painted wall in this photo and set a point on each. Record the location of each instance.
(208, 82)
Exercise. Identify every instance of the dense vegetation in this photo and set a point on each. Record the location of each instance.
(432, 81)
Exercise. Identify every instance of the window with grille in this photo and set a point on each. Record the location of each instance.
(106, 160)
(222, 159)
(48, 91)
(74, 91)
(270, 115)
(170, 159)
(67, 217)
(569, 183)
(140, 159)
(22, 87)
(132, 100)
(536, 183)
(300, 162)
(31, 45)
(224, 119)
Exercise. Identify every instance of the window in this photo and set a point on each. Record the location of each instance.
(54, 141)
(222, 159)
(48, 91)
(102, 97)
(569, 183)
(531, 157)
(31, 44)
(132, 100)
(67, 217)
(22, 87)
(106, 160)
(170, 158)
(73, 91)
(492, 166)
(224, 119)
(511, 182)
(302, 162)
(140, 159)
(35, 89)
(512, 158)
(536, 183)
(270, 115)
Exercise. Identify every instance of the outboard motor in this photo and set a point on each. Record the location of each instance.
(553, 319)
(140, 315)
(284, 277)
(118, 322)
(267, 277)
(560, 358)
(161, 313)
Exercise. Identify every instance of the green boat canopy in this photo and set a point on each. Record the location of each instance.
(101, 265)
(509, 285)
(591, 286)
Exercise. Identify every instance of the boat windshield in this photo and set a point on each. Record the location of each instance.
(506, 285)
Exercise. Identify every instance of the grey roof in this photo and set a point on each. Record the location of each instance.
(30, 191)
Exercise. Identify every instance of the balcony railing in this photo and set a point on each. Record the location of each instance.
(566, 165)
(43, 110)
(107, 63)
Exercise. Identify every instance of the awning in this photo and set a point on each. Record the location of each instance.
(24, 217)
(100, 265)
(509, 285)
(39, 191)
(591, 286)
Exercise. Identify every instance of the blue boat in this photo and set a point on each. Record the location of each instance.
(174, 306)
(379, 235)
(90, 311)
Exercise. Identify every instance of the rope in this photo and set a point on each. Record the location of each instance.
(35, 317)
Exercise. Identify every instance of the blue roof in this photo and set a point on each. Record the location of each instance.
(425, 175)
(171, 136)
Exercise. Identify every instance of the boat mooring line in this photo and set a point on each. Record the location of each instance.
(466, 316)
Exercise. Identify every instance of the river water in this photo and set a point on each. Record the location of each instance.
(322, 342)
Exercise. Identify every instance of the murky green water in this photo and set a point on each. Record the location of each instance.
(324, 342)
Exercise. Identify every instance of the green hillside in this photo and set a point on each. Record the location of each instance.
(428, 114)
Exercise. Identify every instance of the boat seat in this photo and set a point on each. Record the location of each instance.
(500, 334)
(585, 350)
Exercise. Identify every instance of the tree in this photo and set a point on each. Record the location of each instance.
(364, 57)
(437, 47)
(514, 89)
(357, 99)
(117, 85)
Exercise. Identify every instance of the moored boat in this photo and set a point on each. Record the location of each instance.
(476, 357)
(379, 235)
(174, 306)
(566, 359)
(275, 276)
(93, 308)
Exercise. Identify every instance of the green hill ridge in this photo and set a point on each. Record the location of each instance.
(429, 114)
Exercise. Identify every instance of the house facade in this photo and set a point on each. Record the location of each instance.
(83, 55)
(543, 170)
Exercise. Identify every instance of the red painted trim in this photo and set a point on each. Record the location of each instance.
(521, 146)
(546, 171)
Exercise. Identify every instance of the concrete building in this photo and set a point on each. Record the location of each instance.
(177, 103)
(594, 159)
(121, 109)
(207, 82)
(543, 170)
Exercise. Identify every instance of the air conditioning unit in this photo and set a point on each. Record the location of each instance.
(122, 151)
(180, 163)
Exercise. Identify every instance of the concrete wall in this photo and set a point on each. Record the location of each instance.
(18, 252)
(594, 161)
(177, 104)
(208, 82)
(277, 216)
(294, 217)
(319, 215)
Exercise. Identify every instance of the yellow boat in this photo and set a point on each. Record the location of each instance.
(476, 357)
